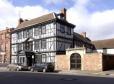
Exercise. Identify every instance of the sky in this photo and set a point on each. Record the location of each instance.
(95, 17)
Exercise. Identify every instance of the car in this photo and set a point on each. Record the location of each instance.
(16, 67)
(43, 67)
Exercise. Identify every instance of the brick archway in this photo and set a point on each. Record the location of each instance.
(75, 61)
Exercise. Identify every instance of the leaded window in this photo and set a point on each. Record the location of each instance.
(62, 28)
(30, 32)
(37, 31)
(29, 45)
(44, 58)
(13, 48)
(20, 46)
(68, 31)
(25, 35)
(37, 44)
(40, 44)
(44, 44)
(43, 29)
(19, 35)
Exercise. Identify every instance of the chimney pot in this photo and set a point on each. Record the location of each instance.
(20, 21)
(83, 34)
(63, 12)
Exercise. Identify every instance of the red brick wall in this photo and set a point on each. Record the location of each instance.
(5, 45)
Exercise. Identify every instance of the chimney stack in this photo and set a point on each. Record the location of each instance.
(83, 34)
(20, 21)
(63, 13)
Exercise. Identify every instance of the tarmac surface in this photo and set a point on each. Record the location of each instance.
(109, 73)
(28, 77)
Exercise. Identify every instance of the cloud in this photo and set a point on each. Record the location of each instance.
(98, 25)
(31, 12)
(9, 14)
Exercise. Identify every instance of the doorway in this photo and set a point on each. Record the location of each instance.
(75, 61)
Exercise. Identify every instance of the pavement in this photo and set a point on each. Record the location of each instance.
(109, 73)
(3, 69)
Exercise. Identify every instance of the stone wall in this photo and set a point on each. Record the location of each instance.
(92, 62)
(62, 62)
(89, 61)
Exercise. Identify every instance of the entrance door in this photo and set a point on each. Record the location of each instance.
(30, 58)
(29, 61)
(75, 61)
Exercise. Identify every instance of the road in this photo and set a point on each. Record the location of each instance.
(46, 78)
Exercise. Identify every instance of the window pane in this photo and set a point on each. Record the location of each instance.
(37, 44)
(20, 35)
(68, 30)
(43, 29)
(44, 44)
(30, 32)
(44, 58)
(19, 46)
(62, 28)
(37, 31)
(25, 34)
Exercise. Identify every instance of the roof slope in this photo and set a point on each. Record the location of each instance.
(38, 20)
(106, 43)
(84, 39)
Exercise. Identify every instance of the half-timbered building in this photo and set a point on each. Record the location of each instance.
(40, 39)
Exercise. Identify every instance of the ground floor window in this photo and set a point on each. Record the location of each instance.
(45, 58)
(22, 60)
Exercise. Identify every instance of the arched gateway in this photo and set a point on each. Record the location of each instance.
(75, 61)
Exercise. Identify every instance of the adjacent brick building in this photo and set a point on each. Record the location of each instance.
(5, 47)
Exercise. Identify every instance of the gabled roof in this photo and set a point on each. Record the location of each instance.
(38, 20)
(106, 43)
